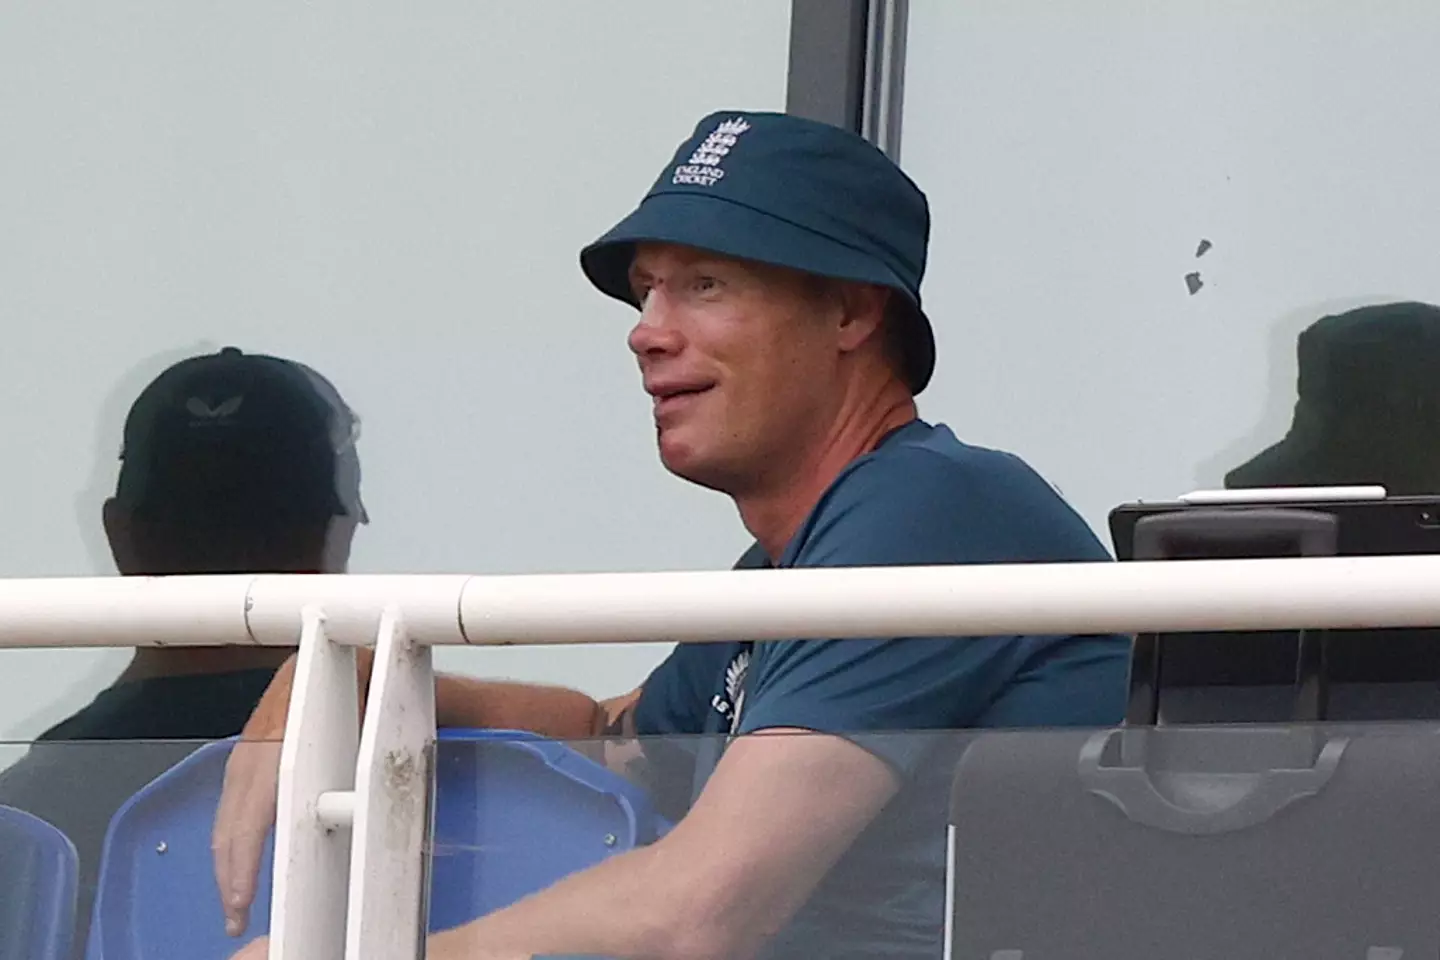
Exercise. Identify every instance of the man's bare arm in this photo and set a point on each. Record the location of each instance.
(246, 810)
(779, 810)
(552, 711)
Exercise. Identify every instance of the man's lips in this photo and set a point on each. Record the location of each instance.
(661, 388)
(675, 396)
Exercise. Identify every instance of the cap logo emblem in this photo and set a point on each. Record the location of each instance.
(203, 411)
(704, 167)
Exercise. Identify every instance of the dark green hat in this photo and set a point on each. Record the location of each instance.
(1368, 410)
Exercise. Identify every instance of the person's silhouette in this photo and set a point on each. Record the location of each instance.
(1368, 410)
(232, 463)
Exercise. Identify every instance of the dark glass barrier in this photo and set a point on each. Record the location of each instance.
(1247, 842)
(1254, 842)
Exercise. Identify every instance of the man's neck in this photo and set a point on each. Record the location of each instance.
(774, 515)
(151, 662)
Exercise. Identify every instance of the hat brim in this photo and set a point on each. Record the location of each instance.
(1301, 460)
(1284, 464)
(1304, 457)
(735, 230)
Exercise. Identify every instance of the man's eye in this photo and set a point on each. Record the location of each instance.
(705, 284)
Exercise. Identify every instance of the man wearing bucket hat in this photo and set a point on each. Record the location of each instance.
(230, 462)
(776, 267)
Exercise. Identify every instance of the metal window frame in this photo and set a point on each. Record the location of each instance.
(847, 66)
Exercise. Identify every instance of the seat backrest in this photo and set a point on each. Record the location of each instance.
(38, 877)
(156, 895)
(1275, 676)
(1247, 843)
(513, 813)
(1370, 675)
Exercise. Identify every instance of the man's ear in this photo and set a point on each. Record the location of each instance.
(119, 530)
(864, 313)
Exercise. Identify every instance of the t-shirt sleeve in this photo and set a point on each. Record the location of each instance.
(675, 697)
(910, 510)
(677, 693)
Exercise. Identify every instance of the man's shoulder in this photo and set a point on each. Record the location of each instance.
(103, 718)
(930, 461)
(925, 496)
(203, 706)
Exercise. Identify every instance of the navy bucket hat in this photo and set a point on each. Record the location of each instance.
(788, 192)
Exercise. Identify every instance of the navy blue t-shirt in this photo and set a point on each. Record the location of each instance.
(922, 497)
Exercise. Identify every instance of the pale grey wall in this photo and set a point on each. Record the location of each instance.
(397, 198)
(394, 194)
(1075, 155)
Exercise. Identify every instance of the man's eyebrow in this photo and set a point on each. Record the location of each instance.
(636, 274)
(718, 266)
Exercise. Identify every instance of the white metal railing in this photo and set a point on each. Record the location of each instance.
(975, 600)
(354, 795)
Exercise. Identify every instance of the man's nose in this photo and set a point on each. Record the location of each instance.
(656, 333)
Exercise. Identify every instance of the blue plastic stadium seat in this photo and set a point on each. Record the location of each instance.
(514, 813)
(156, 897)
(39, 870)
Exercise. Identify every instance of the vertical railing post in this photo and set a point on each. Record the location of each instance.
(317, 767)
(393, 795)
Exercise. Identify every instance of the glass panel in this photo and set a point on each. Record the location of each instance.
(1144, 215)
(395, 196)
(1248, 843)
(110, 841)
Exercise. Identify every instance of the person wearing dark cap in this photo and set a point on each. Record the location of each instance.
(1368, 410)
(231, 463)
(776, 267)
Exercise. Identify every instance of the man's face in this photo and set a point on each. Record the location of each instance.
(740, 359)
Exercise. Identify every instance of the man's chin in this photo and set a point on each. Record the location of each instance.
(686, 463)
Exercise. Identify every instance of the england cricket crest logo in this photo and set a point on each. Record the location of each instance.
(705, 168)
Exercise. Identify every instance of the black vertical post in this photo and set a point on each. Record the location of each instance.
(828, 46)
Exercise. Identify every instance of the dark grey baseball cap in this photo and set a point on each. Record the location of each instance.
(240, 437)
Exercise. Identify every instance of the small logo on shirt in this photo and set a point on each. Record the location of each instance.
(704, 167)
